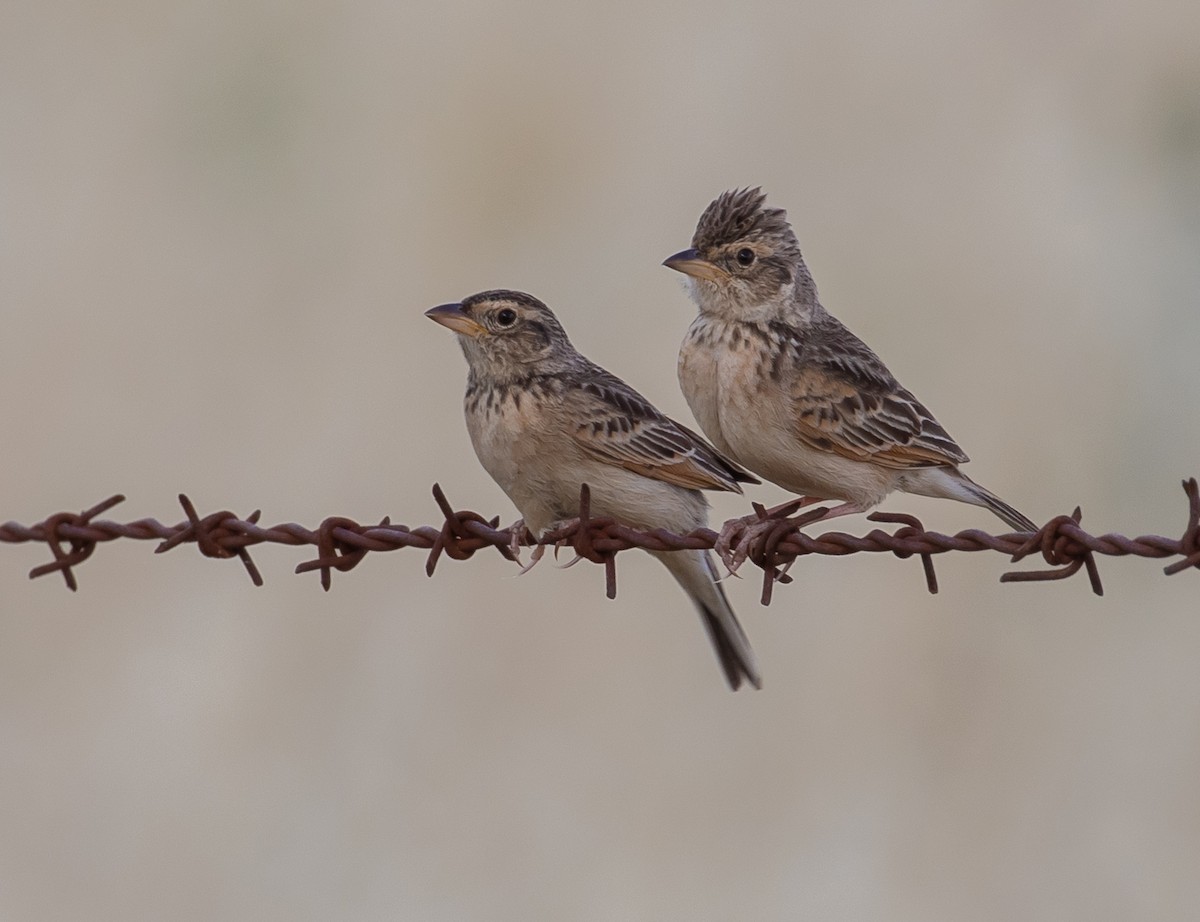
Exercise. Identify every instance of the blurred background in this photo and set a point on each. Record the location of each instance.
(219, 227)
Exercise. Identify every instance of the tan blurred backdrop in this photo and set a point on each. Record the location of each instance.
(219, 226)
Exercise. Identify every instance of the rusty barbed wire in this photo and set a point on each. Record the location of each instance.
(342, 543)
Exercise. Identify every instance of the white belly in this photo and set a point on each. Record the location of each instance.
(699, 372)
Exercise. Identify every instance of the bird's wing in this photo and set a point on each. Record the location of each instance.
(618, 425)
(845, 400)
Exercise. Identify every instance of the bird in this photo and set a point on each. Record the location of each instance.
(544, 420)
(783, 388)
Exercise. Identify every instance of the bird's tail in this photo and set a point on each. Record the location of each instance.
(697, 574)
(951, 483)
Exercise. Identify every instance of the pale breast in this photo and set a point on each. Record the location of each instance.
(699, 371)
(739, 372)
(521, 444)
(528, 447)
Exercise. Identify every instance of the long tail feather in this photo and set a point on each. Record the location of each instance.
(1011, 516)
(697, 574)
(951, 483)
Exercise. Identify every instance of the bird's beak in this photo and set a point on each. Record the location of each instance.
(689, 263)
(452, 316)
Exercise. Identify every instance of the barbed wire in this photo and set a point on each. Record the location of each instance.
(342, 543)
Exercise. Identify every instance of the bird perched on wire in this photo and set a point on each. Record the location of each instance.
(782, 387)
(544, 420)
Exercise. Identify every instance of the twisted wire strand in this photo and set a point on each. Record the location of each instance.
(342, 543)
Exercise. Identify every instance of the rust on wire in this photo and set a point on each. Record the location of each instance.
(334, 551)
(342, 543)
(765, 551)
(461, 534)
(216, 535)
(1189, 545)
(912, 527)
(1064, 545)
(584, 534)
(82, 545)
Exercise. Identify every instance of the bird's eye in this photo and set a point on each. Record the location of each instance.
(506, 317)
(745, 256)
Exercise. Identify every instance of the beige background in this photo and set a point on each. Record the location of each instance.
(219, 226)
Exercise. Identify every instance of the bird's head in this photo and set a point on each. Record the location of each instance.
(744, 260)
(506, 334)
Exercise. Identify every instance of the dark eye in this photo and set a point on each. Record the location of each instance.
(745, 256)
(506, 317)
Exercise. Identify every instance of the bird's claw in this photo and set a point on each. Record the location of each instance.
(538, 552)
(516, 539)
(735, 539)
(749, 530)
(519, 530)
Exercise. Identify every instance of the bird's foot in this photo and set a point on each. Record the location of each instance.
(565, 528)
(539, 552)
(560, 533)
(736, 538)
(740, 538)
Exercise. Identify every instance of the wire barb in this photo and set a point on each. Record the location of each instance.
(461, 536)
(214, 535)
(342, 543)
(336, 549)
(1189, 544)
(81, 546)
(1064, 545)
(912, 527)
(764, 549)
(584, 540)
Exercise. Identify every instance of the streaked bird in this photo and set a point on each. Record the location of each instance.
(782, 387)
(544, 420)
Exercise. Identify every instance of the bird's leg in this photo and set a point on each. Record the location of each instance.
(792, 505)
(843, 509)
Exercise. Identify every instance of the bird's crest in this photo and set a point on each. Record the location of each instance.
(740, 214)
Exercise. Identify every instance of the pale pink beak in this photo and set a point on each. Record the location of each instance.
(689, 263)
(452, 316)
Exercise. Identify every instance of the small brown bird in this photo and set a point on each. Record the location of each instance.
(782, 387)
(544, 420)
